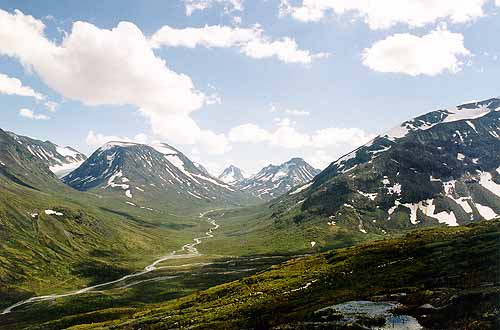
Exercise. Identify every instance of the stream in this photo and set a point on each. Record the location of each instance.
(190, 251)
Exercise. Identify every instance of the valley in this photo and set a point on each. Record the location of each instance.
(139, 236)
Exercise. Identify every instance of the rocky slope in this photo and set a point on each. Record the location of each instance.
(53, 237)
(232, 175)
(141, 173)
(439, 168)
(275, 180)
(61, 160)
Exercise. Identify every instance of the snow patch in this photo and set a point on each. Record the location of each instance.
(301, 188)
(52, 212)
(486, 212)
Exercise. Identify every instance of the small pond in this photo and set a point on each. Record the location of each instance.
(372, 314)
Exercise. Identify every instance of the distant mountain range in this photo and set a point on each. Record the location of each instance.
(275, 180)
(141, 173)
(439, 168)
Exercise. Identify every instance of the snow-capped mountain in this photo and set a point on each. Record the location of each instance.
(61, 160)
(441, 167)
(275, 180)
(232, 175)
(139, 173)
(18, 165)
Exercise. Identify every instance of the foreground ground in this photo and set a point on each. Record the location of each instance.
(448, 278)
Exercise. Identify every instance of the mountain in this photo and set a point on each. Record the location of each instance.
(142, 174)
(232, 175)
(201, 168)
(275, 180)
(20, 165)
(53, 237)
(440, 168)
(61, 160)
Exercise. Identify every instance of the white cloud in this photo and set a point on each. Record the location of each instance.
(321, 159)
(215, 144)
(27, 113)
(382, 14)
(287, 136)
(431, 54)
(290, 112)
(250, 41)
(14, 86)
(108, 67)
(333, 137)
(97, 139)
(285, 50)
(228, 6)
(248, 133)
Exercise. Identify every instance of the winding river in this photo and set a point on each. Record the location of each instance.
(189, 251)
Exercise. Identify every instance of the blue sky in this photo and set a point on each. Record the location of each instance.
(242, 82)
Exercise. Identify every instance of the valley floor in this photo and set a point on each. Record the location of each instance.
(447, 278)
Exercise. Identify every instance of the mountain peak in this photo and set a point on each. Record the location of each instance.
(438, 168)
(275, 180)
(60, 160)
(232, 175)
(142, 175)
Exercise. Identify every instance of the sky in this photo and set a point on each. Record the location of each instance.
(240, 82)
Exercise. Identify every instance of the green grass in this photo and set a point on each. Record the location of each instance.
(97, 239)
(455, 269)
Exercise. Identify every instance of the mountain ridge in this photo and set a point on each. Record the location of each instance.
(274, 180)
(139, 173)
(61, 160)
(232, 175)
(438, 168)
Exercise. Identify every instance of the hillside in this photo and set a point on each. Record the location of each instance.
(61, 160)
(444, 278)
(54, 238)
(437, 169)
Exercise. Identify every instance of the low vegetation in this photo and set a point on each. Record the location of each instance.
(447, 277)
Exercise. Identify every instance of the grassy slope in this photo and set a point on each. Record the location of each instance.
(97, 239)
(455, 269)
(255, 230)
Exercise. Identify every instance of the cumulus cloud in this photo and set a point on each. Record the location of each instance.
(108, 67)
(14, 86)
(216, 144)
(248, 133)
(285, 135)
(27, 113)
(431, 54)
(321, 158)
(250, 41)
(334, 136)
(96, 140)
(228, 6)
(383, 14)
(288, 137)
